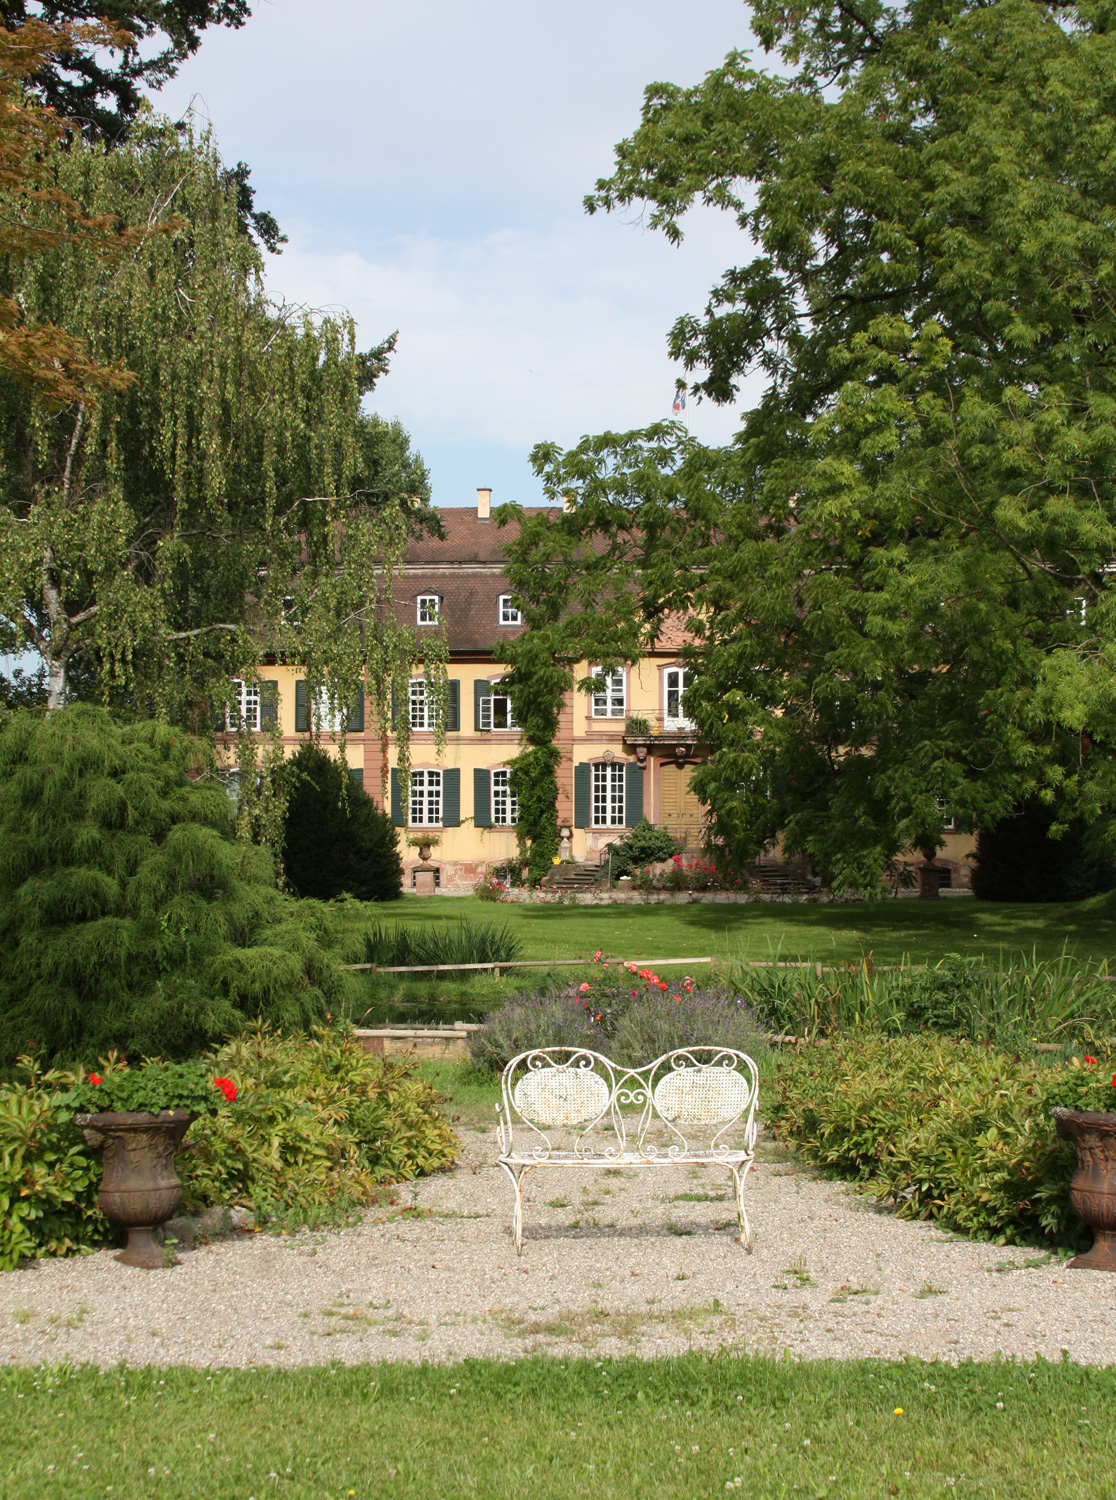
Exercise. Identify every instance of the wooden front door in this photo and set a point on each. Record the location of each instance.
(679, 809)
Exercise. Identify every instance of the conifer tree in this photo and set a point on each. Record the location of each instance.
(130, 915)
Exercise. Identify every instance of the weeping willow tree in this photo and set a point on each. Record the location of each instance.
(158, 539)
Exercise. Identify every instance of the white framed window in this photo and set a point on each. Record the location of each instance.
(675, 682)
(496, 710)
(423, 708)
(244, 710)
(505, 804)
(428, 609)
(609, 698)
(509, 615)
(327, 720)
(608, 794)
(426, 799)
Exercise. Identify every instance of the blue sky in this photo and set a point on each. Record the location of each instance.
(428, 162)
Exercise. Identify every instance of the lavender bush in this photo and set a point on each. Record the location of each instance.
(550, 1018)
(655, 1023)
(631, 1019)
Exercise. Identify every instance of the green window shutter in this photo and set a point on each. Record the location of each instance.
(269, 705)
(397, 800)
(302, 718)
(482, 689)
(355, 723)
(451, 798)
(633, 793)
(453, 707)
(482, 799)
(356, 777)
(583, 794)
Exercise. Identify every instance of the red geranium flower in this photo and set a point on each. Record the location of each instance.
(95, 1078)
(227, 1087)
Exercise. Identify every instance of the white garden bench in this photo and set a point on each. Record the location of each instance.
(570, 1107)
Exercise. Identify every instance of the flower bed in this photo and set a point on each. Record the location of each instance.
(317, 1126)
(681, 874)
(943, 1129)
(632, 1015)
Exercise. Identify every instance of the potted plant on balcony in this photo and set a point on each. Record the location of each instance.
(137, 1118)
(1087, 1117)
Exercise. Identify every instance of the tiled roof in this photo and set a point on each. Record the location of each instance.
(467, 539)
(470, 605)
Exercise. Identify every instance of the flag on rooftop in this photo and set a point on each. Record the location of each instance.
(679, 403)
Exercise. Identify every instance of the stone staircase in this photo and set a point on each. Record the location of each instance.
(777, 879)
(573, 878)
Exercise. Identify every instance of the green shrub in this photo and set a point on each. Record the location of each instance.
(1018, 860)
(403, 945)
(645, 845)
(48, 1176)
(335, 838)
(130, 917)
(942, 1129)
(318, 1125)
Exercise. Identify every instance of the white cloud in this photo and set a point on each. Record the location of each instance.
(428, 162)
(521, 334)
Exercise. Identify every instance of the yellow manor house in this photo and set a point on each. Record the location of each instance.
(627, 751)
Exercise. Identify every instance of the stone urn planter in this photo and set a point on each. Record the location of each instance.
(1093, 1189)
(139, 1188)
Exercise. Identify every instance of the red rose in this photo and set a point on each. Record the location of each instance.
(1090, 1060)
(662, 984)
(95, 1078)
(634, 992)
(227, 1087)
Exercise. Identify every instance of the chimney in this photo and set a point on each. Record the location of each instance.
(484, 504)
(568, 501)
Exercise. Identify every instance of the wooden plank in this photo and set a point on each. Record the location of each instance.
(525, 963)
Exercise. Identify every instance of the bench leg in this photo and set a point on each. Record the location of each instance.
(738, 1176)
(517, 1175)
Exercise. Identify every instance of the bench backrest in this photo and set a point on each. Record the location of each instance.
(692, 1099)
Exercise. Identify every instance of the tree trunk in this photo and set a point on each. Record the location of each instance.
(55, 653)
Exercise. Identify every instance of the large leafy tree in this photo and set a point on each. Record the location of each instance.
(232, 500)
(37, 215)
(102, 88)
(900, 572)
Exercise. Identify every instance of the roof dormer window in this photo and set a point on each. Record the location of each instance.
(428, 609)
(509, 615)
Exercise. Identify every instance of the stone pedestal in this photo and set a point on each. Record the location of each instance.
(424, 881)
(565, 844)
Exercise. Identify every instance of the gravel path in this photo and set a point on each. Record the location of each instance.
(614, 1262)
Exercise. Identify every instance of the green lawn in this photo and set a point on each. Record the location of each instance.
(664, 1429)
(890, 930)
